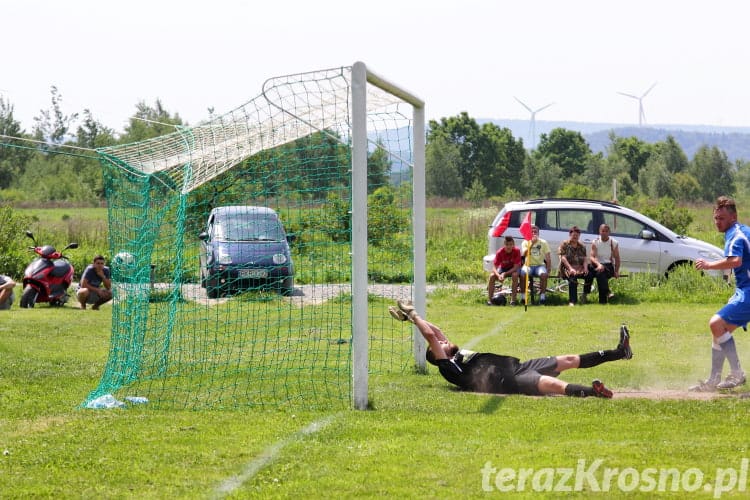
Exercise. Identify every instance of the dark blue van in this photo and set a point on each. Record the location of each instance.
(245, 247)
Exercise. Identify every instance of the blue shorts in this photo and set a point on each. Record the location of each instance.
(737, 310)
(535, 270)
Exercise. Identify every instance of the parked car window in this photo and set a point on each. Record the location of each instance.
(517, 217)
(217, 230)
(581, 218)
(250, 229)
(546, 219)
(623, 226)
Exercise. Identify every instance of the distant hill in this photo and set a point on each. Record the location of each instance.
(734, 141)
(735, 145)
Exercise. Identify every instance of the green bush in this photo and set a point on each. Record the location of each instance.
(384, 218)
(476, 193)
(12, 195)
(667, 213)
(577, 191)
(14, 254)
(442, 273)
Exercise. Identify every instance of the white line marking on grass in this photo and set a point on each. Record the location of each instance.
(476, 340)
(269, 455)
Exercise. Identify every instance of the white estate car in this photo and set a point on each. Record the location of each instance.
(645, 245)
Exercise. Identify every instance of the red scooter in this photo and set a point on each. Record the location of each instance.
(48, 277)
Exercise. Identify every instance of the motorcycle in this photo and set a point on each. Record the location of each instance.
(48, 277)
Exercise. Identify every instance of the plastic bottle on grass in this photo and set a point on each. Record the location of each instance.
(136, 400)
(105, 402)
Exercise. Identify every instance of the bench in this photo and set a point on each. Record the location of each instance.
(555, 284)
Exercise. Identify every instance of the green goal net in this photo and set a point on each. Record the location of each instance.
(243, 245)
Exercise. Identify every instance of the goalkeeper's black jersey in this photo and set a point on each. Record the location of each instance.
(481, 372)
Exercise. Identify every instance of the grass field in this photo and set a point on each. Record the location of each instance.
(422, 439)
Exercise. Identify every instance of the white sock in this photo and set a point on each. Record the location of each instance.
(723, 338)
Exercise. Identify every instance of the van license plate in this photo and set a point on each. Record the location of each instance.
(253, 273)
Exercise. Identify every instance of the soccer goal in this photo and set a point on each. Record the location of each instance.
(255, 254)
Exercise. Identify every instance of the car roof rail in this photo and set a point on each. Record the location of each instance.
(599, 202)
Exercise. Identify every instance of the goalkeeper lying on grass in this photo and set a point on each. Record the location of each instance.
(497, 374)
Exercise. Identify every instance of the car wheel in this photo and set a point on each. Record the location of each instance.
(287, 286)
(213, 291)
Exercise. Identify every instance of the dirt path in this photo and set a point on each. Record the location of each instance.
(662, 394)
(656, 395)
(317, 294)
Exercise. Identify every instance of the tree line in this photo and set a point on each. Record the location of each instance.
(463, 160)
(466, 160)
(54, 162)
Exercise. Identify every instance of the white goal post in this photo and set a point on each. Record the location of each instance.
(361, 77)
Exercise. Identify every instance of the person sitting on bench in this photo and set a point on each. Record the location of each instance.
(604, 263)
(507, 263)
(539, 261)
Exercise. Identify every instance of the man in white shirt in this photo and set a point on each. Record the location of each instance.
(604, 263)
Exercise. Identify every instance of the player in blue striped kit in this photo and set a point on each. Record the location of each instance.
(737, 311)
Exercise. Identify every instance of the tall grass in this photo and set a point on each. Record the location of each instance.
(456, 243)
(684, 284)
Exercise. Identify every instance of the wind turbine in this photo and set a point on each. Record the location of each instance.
(532, 121)
(641, 113)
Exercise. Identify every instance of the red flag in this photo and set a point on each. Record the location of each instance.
(500, 228)
(526, 227)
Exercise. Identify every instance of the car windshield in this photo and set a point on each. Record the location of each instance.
(248, 228)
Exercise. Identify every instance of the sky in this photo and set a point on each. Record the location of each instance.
(473, 56)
